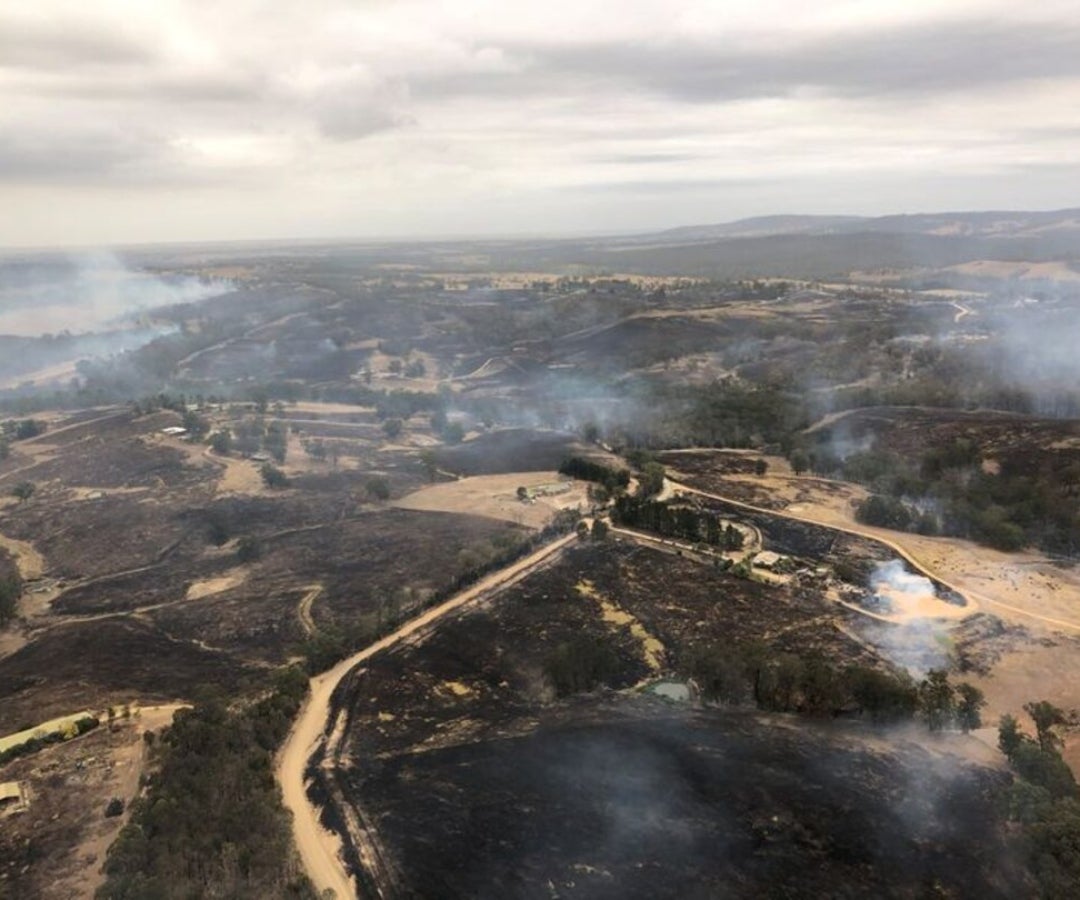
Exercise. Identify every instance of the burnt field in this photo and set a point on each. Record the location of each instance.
(140, 589)
(1024, 441)
(92, 664)
(479, 781)
(511, 450)
(629, 798)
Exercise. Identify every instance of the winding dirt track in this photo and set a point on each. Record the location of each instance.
(973, 598)
(320, 850)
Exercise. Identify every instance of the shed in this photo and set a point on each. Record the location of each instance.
(767, 559)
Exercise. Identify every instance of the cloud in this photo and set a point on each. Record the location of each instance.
(56, 42)
(511, 109)
(913, 60)
(69, 154)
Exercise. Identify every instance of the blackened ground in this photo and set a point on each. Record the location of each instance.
(510, 450)
(91, 664)
(628, 797)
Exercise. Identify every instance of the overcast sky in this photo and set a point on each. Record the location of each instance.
(157, 120)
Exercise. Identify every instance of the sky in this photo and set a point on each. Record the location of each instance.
(189, 120)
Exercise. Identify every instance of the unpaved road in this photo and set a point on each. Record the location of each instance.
(320, 849)
(973, 598)
(303, 610)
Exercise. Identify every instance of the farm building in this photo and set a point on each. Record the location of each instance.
(12, 797)
(766, 559)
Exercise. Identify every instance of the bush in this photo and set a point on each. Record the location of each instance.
(115, 808)
(378, 487)
(580, 665)
(248, 549)
(273, 477)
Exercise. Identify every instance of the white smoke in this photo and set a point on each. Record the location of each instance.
(89, 292)
(891, 578)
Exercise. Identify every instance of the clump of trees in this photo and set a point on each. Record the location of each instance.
(54, 737)
(1044, 800)
(273, 477)
(668, 520)
(221, 442)
(11, 589)
(22, 429)
(614, 480)
(580, 665)
(377, 487)
(212, 823)
(651, 479)
(786, 682)
(946, 490)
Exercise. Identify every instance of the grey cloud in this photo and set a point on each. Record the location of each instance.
(666, 186)
(80, 154)
(647, 159)
(350, 111)
(30, 155)
(902, 61)
(62, 45)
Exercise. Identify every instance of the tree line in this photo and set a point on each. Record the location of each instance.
(211, 823)
(684, 522)
(786, 682)
(1043, 802)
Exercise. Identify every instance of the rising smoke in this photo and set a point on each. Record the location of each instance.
(88, 293)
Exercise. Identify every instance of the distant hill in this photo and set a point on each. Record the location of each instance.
(820, 247)
(759, 226)
(992, 224)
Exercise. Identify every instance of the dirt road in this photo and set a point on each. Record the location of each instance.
(303, 610)
(974, 598)
(320, 850)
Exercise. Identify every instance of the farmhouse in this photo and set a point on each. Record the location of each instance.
(766, 559)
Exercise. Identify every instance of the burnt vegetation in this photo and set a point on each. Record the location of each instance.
(215, 505)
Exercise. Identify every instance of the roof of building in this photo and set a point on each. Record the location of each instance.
(767, 559)
(10, 790)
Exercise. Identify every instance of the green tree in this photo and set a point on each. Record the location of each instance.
(393, 428)
(221, 442)
(971, 701)
(1009, 735)
(799, 460)
(217, 532)
(316, 449)
(937, 700)
(430, 463)
(24, 490)
(10, 591)
(599, 529)
(273, 477)
(276, 441)
(378, 487)
(1045, 716)
(197, 426)
(760, 467)
(453, 433)
(651, 481)
(249, 549)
